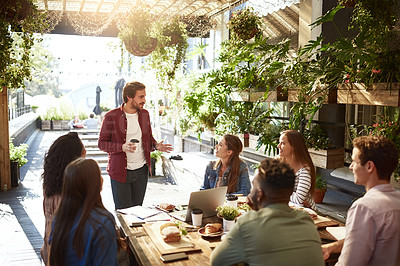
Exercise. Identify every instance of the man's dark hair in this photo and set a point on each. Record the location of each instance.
(381, 151)
(131, 88)
(91, 115)
(276, 175)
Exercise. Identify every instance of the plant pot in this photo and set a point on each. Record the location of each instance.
(254, 95)
(247, 35)
(15, 173)
(132, 46)
(228, 224)
(348, 3)
(45, 125)
(381, 94)
(327, 159)
(319, 195)
(64, 125)
(15, 10)
(57, 125)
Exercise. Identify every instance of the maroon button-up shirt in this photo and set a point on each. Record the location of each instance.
(113, 136)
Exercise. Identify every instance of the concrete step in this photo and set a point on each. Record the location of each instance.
(90, 144)
(86, 131)
(95, 152)
(89, 137)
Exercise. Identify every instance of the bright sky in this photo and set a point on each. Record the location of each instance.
(84, 59)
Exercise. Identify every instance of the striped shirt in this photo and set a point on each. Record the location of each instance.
(302, 187)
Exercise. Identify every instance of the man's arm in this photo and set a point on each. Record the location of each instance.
(230, 250)
(105, 142)
(335, 247)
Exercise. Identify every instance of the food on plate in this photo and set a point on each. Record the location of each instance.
(212, 228)
(166, 206)
(170, 232)
(309, 211)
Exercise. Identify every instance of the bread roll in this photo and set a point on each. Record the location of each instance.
(166, 206)
(167, 224)
(170, 232)
(212, 228)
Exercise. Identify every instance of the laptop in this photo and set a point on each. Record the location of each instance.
(206, 200)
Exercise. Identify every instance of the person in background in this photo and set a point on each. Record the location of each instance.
(75, 123)
(128, 163)
(293, 150)
(271, 233)
(91, 123)
(373, 221)
(229, 170)
(63, 151)
(83, 231)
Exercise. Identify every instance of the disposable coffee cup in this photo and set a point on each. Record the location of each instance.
(231, 200)
(197, 217)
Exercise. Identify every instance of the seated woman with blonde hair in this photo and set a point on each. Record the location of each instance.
(83, 231)
(293, 150)
(229, 170)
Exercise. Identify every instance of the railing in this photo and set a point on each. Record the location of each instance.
(16, 112)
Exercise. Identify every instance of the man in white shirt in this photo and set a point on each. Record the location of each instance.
(373, 221)
(91, 123)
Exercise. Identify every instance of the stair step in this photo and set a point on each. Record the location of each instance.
(91, 145)
(89, 137)
(95, 152)
(85, 131)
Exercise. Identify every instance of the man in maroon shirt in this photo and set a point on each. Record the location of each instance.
(127, 138)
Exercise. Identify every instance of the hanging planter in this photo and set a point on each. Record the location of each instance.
(244, 24)
(348, 3)
(381, 94)
(136, 32)
(133, 46)
(15, 10)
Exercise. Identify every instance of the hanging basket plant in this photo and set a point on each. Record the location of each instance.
(15, 10)
(199, 26)
(136, 32)
(244, 24)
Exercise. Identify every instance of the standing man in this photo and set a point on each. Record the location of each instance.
(127, 138)
(373, 221)
(272, 233)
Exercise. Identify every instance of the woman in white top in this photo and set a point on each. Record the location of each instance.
(293, 150)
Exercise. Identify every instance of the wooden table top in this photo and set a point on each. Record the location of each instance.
(147, 253)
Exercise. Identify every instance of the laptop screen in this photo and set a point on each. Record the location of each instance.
(206, 200)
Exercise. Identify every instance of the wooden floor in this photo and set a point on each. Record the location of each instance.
(21, 209)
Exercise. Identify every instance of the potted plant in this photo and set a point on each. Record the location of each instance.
(135, 32)
(228, 214)
(170, 52)
(17, 159)
(155, 157)
(34, 108)
(244, 24)
(320, 188)
(322, 151)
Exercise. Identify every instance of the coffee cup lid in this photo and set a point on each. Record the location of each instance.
(197, 211)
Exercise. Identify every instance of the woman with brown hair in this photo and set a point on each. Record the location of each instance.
(229, 170)
(293, 150)
(83, 231)
(64, 150)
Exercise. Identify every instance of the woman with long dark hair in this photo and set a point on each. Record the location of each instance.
(63, 151)
(83, 231)
(229, 170)
(293, 150)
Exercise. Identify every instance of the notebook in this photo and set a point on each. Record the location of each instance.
(206, 200)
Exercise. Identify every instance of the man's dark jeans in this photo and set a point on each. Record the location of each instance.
(132, 192)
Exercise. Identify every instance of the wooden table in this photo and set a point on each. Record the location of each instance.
(146, 253)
